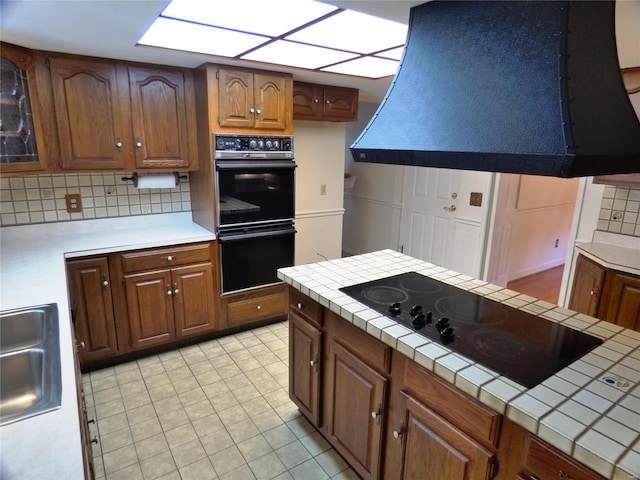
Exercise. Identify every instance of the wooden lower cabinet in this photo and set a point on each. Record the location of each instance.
(150, 308)
(355, 403)
(433, 448)
(305, 342)
(541, 461)
(167, 304)
(390, 418)
(255, 306)
(607, 294)
(92, 304)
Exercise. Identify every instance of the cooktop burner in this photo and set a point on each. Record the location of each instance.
(519, 345)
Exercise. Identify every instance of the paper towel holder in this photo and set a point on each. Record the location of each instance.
(134, 178)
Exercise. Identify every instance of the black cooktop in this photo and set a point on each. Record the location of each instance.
(519, 345)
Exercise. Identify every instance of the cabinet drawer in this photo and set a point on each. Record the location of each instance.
(546, 463)
(308, 308)
(256, 308)
(165, 257)
(476, 420)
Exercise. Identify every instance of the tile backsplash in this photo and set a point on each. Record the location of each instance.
(619, 210)
(41, 198)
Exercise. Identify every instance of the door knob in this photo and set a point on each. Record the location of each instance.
(454, 195)
(451, 208)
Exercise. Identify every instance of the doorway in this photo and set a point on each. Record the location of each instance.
(530, 235)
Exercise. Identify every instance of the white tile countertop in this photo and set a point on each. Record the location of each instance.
(32, 272)
(618, 252)
(589, 410)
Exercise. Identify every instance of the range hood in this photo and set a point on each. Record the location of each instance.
(530, 87)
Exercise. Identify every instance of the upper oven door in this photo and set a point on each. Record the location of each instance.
(255, 191)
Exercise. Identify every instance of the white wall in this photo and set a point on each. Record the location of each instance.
(374, 204)
(319, 155)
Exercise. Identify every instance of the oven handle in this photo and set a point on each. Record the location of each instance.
(235, 237)
(258, 165)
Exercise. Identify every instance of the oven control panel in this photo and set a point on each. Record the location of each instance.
(252, 143)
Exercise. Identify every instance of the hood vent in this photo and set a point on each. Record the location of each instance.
(530, 87)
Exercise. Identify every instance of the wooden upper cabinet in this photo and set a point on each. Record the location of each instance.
(162, 108)
(324, 103)
(249, 100)
(92, 114)
(117, 117)
(26, 141)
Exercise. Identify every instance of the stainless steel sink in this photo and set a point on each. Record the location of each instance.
(30, 382)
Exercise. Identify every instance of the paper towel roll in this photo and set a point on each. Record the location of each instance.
(165, 180)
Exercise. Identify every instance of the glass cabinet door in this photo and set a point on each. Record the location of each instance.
(19, 150)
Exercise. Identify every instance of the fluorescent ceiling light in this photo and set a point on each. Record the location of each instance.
(366, 67)
(297, 55)
(394, 53)
(353, 31)
(257, 30)
(267, 17)
(190, 37)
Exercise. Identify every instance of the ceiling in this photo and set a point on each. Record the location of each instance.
(111, 28)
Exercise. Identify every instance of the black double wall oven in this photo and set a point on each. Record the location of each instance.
(255, 195)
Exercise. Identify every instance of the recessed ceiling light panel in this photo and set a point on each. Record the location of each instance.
(353, 31)
(366, 67)
(179, 35)
(297, 55)
(394, 53)
(266, 17)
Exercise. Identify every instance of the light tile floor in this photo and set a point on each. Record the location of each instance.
(216, 410)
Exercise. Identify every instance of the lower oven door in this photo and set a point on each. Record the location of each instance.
(251, 256)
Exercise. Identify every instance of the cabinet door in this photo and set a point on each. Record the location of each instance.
(435, 449)
(587, 286)
(340, 103)
(159, 112)
(304, 370)
(271, 101)
(235, 98)
(22, 141)
(94, 321)
(150, 308)
(193, 299)
(355, 403)
(621, 305)
(307, 99)
(92, 114)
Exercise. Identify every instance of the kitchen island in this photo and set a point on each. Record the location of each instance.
(33, 272)
(588, 410)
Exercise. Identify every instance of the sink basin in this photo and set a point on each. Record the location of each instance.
(30, 381)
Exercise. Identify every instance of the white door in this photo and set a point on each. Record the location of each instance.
(429, 203)
(507, 197)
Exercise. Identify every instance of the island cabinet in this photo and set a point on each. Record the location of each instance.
(92, 308)
(391, 418)
(169, 293)
(541, 461)
(118, 116)
(606, 294)
(253, 100)
(305, 338)
(324, 102)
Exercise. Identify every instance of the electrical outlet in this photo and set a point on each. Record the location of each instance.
(109, 190)
(74, 202)
(616, 216)
(323, 189)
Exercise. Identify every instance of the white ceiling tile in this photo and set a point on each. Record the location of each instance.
(297, 55)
